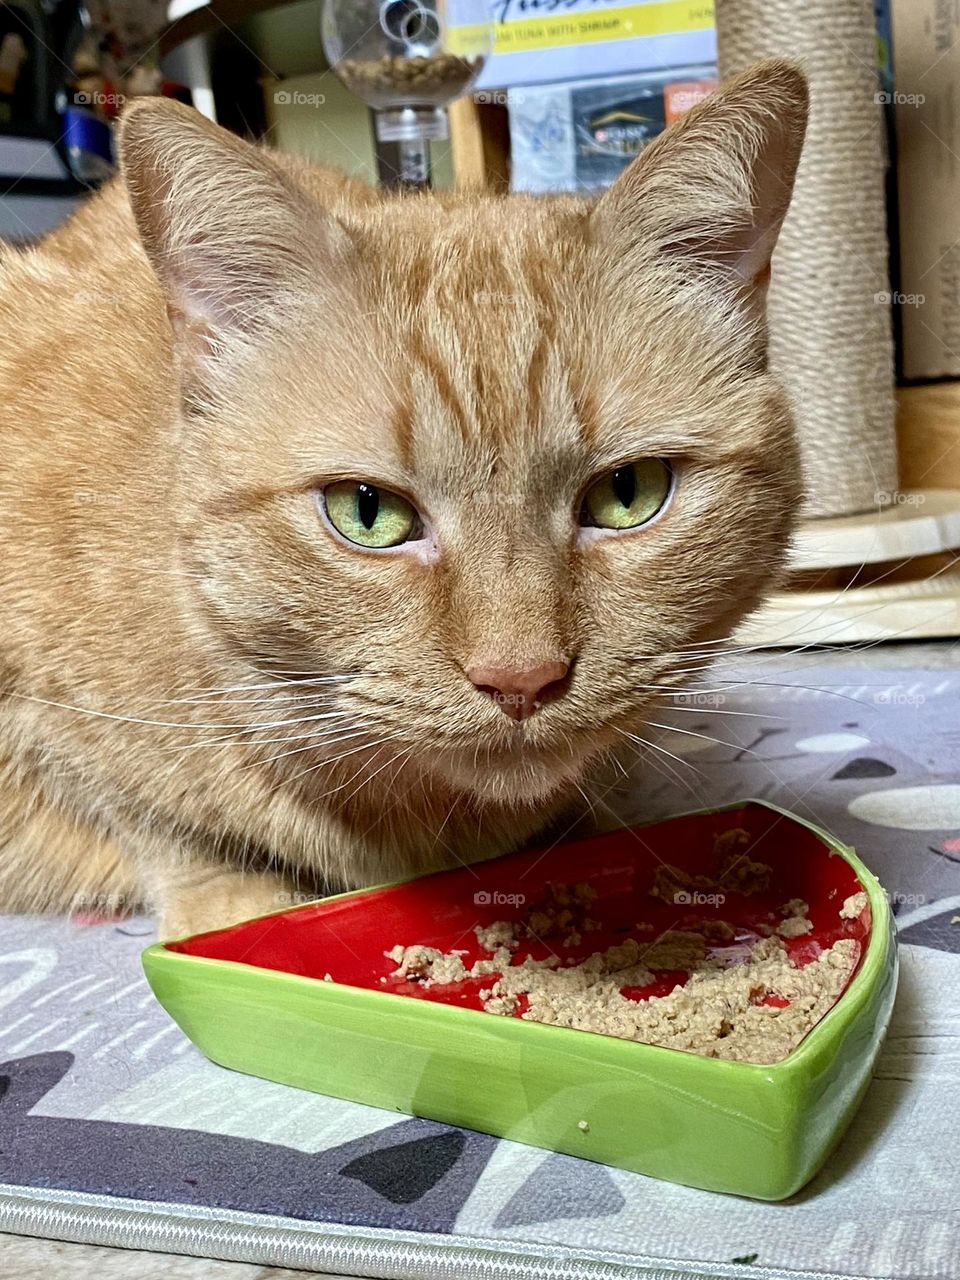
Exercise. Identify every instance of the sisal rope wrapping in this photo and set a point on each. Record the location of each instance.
(829, 314)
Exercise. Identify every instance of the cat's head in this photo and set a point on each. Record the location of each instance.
(500, 460)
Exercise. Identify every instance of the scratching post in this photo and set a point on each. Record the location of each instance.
(830, 339)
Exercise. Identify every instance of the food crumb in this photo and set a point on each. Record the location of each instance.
(853, 906)
(328, 977)
(427, 965)
(795, 907)
(583, 1126)
(506, 1006)
(730, 841)
(794, 927)
(502, 933)
(717, 931)
(735, 873)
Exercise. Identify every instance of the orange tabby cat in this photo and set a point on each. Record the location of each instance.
(344, 533)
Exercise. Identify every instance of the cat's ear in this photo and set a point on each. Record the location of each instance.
(231, 237)
(711, 192)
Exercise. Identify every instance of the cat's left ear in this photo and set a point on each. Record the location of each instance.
(233, 239)
(711, 192)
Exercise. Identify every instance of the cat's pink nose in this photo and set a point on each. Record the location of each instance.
(518, 692)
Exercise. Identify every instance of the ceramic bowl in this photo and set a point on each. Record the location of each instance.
(253, 997)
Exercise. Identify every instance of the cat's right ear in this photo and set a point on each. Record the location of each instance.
(231, 238)
(709, 195)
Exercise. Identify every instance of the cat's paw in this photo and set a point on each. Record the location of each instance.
(221, 899)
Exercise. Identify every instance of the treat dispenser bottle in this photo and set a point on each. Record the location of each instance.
(407, 59)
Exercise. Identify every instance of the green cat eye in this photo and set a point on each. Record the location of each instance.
(370, 516)
(629, 496)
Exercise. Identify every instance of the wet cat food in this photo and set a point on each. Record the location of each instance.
(703, 988)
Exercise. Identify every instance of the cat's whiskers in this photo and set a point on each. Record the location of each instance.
(778, 655)
(395, 758)
(728, 683)
(655, 746)
(660, 691)
(301, 682)
(717, 742)
(325, 764)
(249, 737)
(587, 800)
(128, 719)
(731, 685)
(707, 651)
(327, 740)
(449, 814)
(316, 743)
(232, 730)
(659, 767)
(279, 699)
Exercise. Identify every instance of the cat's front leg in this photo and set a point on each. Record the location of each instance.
(192, 897)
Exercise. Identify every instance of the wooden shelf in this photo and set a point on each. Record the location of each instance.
(913, 523)
(926, 609)
(480, 137)
(890, 575)
(928, 435)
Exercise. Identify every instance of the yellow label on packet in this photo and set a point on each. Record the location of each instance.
(629, 22)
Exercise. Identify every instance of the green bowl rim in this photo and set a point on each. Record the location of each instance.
(849, 1004)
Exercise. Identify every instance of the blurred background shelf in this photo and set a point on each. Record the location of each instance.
(907, 523)
(928, 435)
(258, 67)
(890, 574)
(927, 607)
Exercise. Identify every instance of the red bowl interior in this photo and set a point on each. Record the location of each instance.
(347, 937)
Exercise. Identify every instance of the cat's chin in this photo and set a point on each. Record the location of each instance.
(519, 782)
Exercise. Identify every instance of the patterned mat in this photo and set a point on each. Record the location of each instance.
(114, 1128)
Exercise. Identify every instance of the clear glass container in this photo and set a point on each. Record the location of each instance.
(407, 58)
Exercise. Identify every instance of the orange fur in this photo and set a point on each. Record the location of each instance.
(203, 346)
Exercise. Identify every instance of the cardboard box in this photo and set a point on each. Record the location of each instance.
(542, 41)
(926, 107)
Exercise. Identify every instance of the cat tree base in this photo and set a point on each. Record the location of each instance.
(887, 575)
